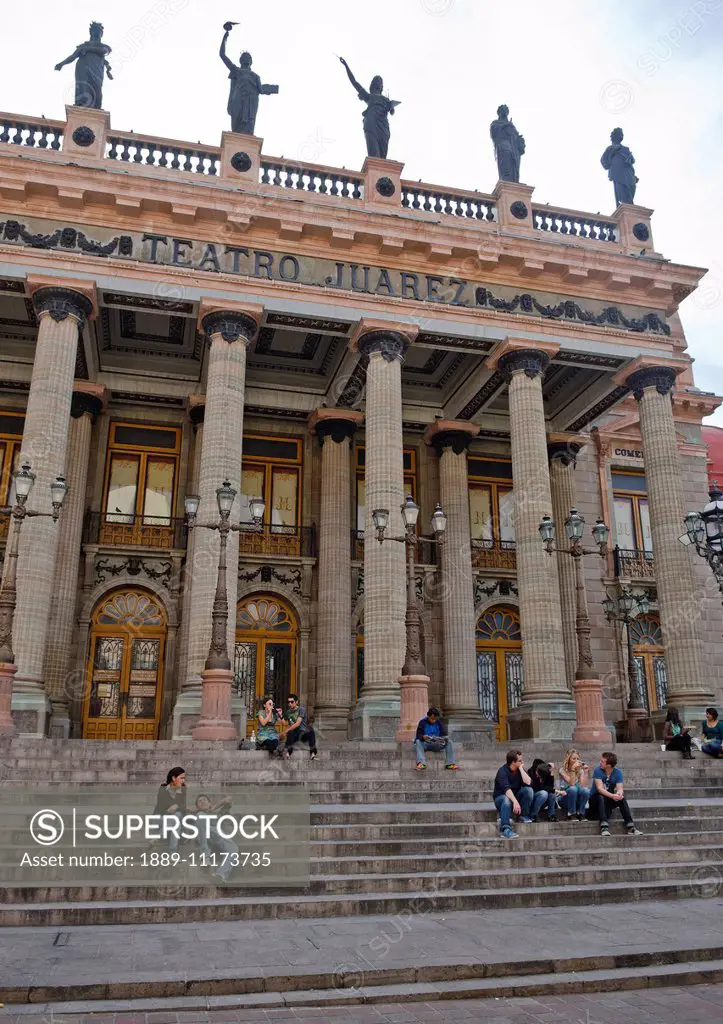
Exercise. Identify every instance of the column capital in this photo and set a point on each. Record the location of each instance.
(565, 448)
(662, 378)
(88, 398)
(389, 338)
(338, 424)
(196, 408)
(61, 299)
(232, 320)
(515, 354)
(454, 434)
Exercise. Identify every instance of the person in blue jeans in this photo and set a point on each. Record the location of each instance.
(574, 776)
(712, 734)
(513, 794)
(432, 735)
(609, 793)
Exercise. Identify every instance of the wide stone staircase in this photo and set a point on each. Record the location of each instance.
(389, 842)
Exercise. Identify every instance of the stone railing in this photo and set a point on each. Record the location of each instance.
(36, 133)
(324, 181)
(457, 203)
(164, 153)
(574, 224)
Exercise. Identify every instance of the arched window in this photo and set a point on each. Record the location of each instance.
(500, 676)
(265, 652)
(649, 654)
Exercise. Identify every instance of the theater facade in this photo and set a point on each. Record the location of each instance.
(173, 317)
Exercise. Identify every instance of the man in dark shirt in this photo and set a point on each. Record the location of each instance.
(607, 794)
(432, 735)
(298, 727)
(513, 794)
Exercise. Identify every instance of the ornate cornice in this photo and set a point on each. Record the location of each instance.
(338, 430)
(83, 402)
(390, 344)
(662, 378)
(457, 440)
(231, 325)
(61, 303)
(530, 360)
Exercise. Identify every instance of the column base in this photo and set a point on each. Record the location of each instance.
(215, 721)
(331, 725)
(468, 725)
(591, 727)
(375, 718)
(186, 714)
(31, 713)
(413, 706)
(537, 719)
(7, 677)
(637, 725)
(59, 720)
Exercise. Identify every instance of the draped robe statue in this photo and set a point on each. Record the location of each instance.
(509, 145)
(90, 68)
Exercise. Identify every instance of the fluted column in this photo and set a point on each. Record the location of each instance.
(461, 703)
(563, 453)
(678, 599)
(377, 712)
(229, 333)
(546, 710)
(61, 314)
(64, 686)
(334, 428)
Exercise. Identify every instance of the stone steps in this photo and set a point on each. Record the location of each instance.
(299, 989)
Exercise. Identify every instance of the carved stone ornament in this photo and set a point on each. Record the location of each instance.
(197, 414)
(457, 440)
(82, 403)
(83, 136)
(518, 209)
(337, 430)
(641, 231)
(62, 303)
(565, 452)
(267, 573)
(385, 187)
(231, 326)
(159, 571)
(391, 344)
(533, 362)
(241, 162)
(662, 378)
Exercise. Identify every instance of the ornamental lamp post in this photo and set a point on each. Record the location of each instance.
(24, 480)
(215, 718)
(704, 530)
(624, 607)
(414, 681)
(591, 726)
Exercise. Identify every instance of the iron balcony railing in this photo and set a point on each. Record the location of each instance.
(292, 541)
(633, 564)
(427, 550)
(494, 554)
(117, 530)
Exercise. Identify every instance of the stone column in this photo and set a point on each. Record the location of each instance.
(376, 715)
(64, 686)
(229, 332)
(62, 312)
(546, 710)
(188, 697)
(335, 429)
(451, 439)
(679, 601)
(562, 452)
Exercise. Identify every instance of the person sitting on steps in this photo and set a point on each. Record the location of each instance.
(711, 742)
(298, 727)
(543, 781)
(677, 736)
(432, 735)
(267, 738)
(574, 776)
(513, 793)
(609, 794)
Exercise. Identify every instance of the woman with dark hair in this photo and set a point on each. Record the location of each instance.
(543, 781)
(677, 736)
(267, 738)
(712, 734)
(171, 800)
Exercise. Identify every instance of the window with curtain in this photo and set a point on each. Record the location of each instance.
(142, 474)
(11, 436)
(272, 470)
(631, 512)
(491, 501)
(410, 481)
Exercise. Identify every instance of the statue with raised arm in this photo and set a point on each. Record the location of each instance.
(246, 87)
(376, 116)
(509, 145)
(91, 66)
(618, 161)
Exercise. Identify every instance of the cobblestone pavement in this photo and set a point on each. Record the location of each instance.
(653, 1006)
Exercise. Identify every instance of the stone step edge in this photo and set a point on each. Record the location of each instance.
(554, 983)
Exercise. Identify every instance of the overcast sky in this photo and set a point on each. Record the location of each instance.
(570, 72)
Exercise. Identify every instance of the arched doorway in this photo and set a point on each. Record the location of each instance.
(124, 681)
(649, 656)
(500, 676)
(265, 652)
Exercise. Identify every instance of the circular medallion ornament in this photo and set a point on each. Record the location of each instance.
(518, 209)
(241, 162)
(83, 136)
(385, 187)
(641, 232)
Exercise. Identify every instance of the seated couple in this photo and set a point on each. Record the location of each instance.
(295, 723)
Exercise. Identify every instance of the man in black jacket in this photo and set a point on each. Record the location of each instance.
(432, 735)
